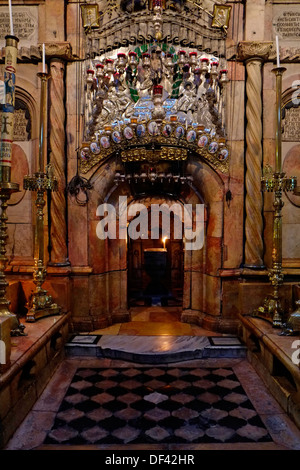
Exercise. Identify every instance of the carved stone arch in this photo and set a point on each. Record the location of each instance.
(291, 97)
(30, 99)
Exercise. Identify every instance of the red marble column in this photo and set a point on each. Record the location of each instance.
(57, 139)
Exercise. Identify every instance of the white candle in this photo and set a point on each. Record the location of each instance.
(44, 59)
(277, 51)
(11, 18)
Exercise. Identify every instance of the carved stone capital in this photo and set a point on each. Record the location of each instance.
(248, 50)
(59, 50)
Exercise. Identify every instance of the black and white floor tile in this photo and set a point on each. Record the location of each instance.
(156, 405)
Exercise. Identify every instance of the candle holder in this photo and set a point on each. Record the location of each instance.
(40, 304)
(276, 182)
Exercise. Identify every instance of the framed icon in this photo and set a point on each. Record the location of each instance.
(90, 15)
(116, 137)
(167, 130)
(140, 130)
(223, 155)
(153, 128)
(179, 132)
(128, 133)
(213, 147)
(95, 148)
(203, 140)
(221, 16)
(105, 142)
(191, 136)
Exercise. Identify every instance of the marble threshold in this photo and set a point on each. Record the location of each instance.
(155, 348)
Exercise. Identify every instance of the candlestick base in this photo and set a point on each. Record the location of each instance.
(41, 304)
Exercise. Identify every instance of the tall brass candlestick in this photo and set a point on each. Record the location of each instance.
(276, 275)
(276, 182)
(41, 304)
(6, 186)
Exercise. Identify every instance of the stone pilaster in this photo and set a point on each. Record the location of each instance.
(254, 54)
(57, 55)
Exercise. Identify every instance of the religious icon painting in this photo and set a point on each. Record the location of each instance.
(203, 140)
(140, 130)
(105, 142)
(153, 128)
(221, 16)
(191, 136)
(223, 155)
(213, 147)
(167, 130)
(179, 132)
(128, 133)
(116, 137)
(95, 148)
(84, 155)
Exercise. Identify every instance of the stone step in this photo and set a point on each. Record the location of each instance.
(155, 349)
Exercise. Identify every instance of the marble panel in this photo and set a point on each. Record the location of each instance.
(233, 232)
(186, 301)
(196, 260)
(213, 255)
(269, 111)
(51, 25)
(290, 241)
(78, 235)
(25, 22)
(97, 293)
(115, 291)
(286, 22)
(212, 295)
(80, 294)
(237, 166)
(230, 298)
(255, 20)
(20, 240)
(197, 295)
(97, 248)
(235, 104)
(215, 219)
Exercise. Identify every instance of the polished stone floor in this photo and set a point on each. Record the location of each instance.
(95, 403)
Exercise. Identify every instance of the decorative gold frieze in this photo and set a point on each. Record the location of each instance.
(154, 156)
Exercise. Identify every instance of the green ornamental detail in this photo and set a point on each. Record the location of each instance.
(134, 94)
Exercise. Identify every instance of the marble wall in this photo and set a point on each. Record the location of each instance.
(218, 283)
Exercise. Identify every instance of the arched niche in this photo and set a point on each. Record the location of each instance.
(108, 258)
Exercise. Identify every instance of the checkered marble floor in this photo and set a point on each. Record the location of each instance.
(156, 405)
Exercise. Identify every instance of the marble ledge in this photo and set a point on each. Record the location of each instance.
(28, 267)
(279, 346)
(23, 348)
(256, 272)
(237, 272)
